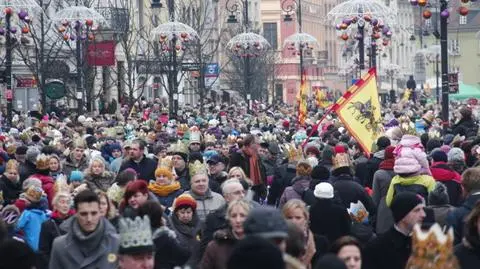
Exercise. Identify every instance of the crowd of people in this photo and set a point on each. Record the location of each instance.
(230, 188)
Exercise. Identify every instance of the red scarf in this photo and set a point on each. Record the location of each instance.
(56, 214)
(387, 164)
(255, 175)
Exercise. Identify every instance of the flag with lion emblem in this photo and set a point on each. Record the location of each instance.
(359, 110)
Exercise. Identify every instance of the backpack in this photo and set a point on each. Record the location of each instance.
(415, 188)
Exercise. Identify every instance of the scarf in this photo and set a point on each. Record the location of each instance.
(163, 190)
(189, 229)
(88, 243)
(57, 215)
(387, 164)
(255, 175)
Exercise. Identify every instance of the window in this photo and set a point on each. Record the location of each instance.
(463, 20)
(454, 46)
(270, 33)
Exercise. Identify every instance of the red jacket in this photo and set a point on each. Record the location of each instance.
(48, 186)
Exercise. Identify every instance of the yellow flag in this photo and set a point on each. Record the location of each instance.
(321, 99)
(302, 102)
(359, 110)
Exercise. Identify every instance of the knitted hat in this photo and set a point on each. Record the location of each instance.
(135, 236)
(456, 154)
(184, 201)
(34, 194)
(439, 156)
(256, 253)
(76, 176)
(42, 162)
(439, 195)
(266, 222)
(22, 150)
(323, 190)
(403, 203)
(320, 172)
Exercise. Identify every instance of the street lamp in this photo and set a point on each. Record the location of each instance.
(173, 38)
(392, 70)
(444, 14)
(78, 23)
(355, 18)
(23, 7)
(246, 45)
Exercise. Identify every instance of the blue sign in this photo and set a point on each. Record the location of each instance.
(212, 70)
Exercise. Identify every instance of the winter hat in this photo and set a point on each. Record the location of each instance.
(16, 254)
(163, 171)
(42, 162)
(445, 148)
(76, 176)
(383, 142)
(330, 261)
(432, 144)
(266, 222)
(311, 148)
(447, 139)
(403, 203)
(255, 253)
(32, 154)
(184, 201)
(34, 194)
(320, 172)
(439, 156)
(439, 195)
(22, 150)
(323, 190)
(456, 154)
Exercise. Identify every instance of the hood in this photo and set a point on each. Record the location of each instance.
(300, 183)
(379, 154)
(442, 172)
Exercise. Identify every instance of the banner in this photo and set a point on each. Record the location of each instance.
(359, 110)
(302, 100)
(321, 98)
(101, 53)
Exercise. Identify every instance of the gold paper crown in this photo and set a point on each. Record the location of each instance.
(269, 137)
(407, 126)
(115, 193)
(197, 168)
(11, 165)
(434, 133)
(178, 147)
(231, 139)
(165, 163)
(293, 153)
(152, 136)
(183, 128)
(341, 160)
(61, 184)
(432, 249)
(210, 138)
(42, 162)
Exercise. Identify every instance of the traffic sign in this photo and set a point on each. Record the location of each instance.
(9, 94)
(453, 83)
(212, 70)
(190, 67)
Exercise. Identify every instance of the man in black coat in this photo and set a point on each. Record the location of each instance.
(145, 167)
(393, 248)
(374, 162)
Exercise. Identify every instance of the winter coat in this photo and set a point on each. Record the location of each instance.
(207, 203)
(187, 235)
(282, 178)
(329, 219)
(11, 191)
(48, 186)
(381, 182)
(372, 166)
(116, 164)
(169, 253)
(49, 231)
(350, 191)
(452, 180)
(456, 218)
(67, 253)
(440, 213)
(219, 250)
(167, 201)
(420, 181)
(69, 165)
(100, 182)
(145, 168)
(465, 127)
(243, 161)
(300, 185)
(26, 169)
(30, 223)
(390, 250)
(468, 257)
(184, 179)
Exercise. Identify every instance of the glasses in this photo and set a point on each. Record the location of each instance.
(239, 192)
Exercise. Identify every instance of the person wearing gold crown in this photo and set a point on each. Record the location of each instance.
(207, 200)
(165, 187)
(179, 154)
(195, 140)
(392, 249)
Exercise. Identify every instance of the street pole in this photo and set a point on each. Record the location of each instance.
(361, 44)
(173, 72)
(373, 53)
(8, 69)
(78, 51)
(246, 66)
(444, 59)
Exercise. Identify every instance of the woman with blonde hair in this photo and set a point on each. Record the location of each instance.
(295, 211)
(97, 177)
(238, 173)
(218, 251)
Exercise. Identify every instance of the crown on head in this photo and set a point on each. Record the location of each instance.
(407, 126)
(182, 128)
(269, 137)
(135, 234)
(341, 160)
(179, 147)
(166, 163)
(231, 139)
(293, 153)
(209, 138)
(61, 184)
(197, 168)
(432, 249)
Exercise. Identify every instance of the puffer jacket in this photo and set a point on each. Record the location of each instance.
(296, 191)
(100, 182)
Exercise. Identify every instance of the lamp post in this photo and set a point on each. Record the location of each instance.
(10, 31)
(173, 38)
(356, 18)
(78, 24)
(392, 70)
(246, 45)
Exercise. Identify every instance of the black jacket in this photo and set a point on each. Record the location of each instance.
(389, 250)
(49, 231)
(26, 169)
(329, 219)
(468, 252)
(352, 192)
(11, 191)
(456, 218)
(241, 160)
(168, 251)
(465, 127)
(282, 179)
(371, 167)
(145, 168)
